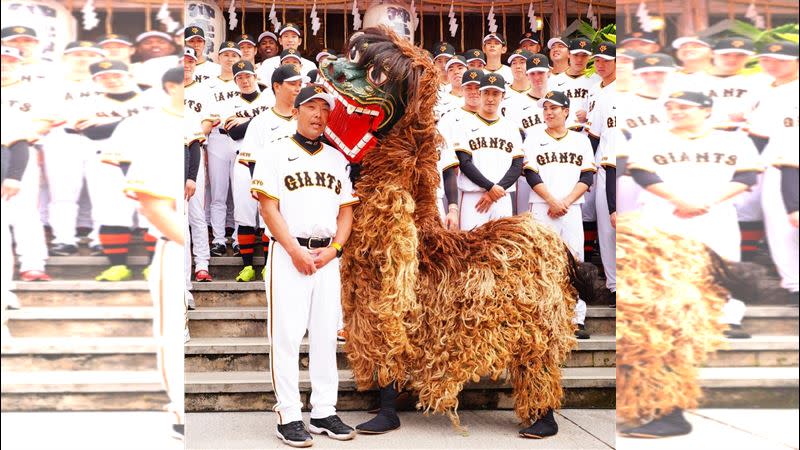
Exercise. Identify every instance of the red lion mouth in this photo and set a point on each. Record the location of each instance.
(351, 125)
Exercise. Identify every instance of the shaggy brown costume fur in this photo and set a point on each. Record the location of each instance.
(432, 308)
(670, 297)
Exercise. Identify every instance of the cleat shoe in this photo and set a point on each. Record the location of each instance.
(333, 427)
(341, 336)
(236, 250)
(96, 250)
(542, 428)
(115, 273)
(294, 434)
(218, 250)
(202, 275)
(190, 304)
(581, 332)
(246, 274)
(146, 273)
(177, 431)
(34, 275)
(673, 424)
(63, 250)
(736, 332)
(613, 300)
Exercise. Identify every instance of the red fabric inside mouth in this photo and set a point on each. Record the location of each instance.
(347, 131)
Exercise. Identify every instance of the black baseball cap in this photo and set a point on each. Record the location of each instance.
(493, 81)
(230, 46)
(290, 27)
(557, 40)
(528, 36)
(557, 98)
(243, 67)
(580, 45)
(290, 53)
(475, 55)
(683, 40)
(311, 75)
(17, 31)
(519, 53)
(286, 72)
(443, 49)
(690, 98)
(311, 92)
(657, 62)
(108, 66)
(79, 46)
(537, 63)
(644, 36)
(629, 54)
(193, 32)
(605, 50)
(780, 50)
(498, 36)
(735, 45)
(115, 38)
(457, 59)
(246, 38)
(188, 51)
(173, 75)
(471, 76)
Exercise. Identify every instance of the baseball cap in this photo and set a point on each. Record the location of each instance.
(471, 76)
(108, 66)
(734, 45)
(290, 53)
(243, 67)
(290, 27)
(193, 32)
(267, 34)
(11, 52)
(519, 53)
(246, 38)
(780, 50)
(493, 81)
(443, 49)
(537, 63)
(229, 46)
(557, 40)
(173, 75)
(324, 53)
(475, 55)
(458, 59)
(115, 38)
(557, 98)
(580, 45)
(311, 75)
(644, 36)
(311, 92)
(683, 40)
(690, 98)
(149, 34)
(188, 51)
(17, 31)
(528, 37)
(627, 53)
(657, 62)
(88, 46)
(497, 36)
(286, 72)
(605, 50)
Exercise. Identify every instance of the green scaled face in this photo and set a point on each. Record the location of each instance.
(369, 88)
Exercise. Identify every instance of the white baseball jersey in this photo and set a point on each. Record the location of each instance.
(311, 187)
(602, 114)
(777, 112)
(523, 111)
(196, 106)
(576, 88)
(264, 73)
(508, 98)
(221, 94)
(206, 70)
(262, 130)
(241, 107)
(493, 146)
(503, 70)
(447, 102)
(559, 162)
(447, 159)
(732, 95)
(640, 112)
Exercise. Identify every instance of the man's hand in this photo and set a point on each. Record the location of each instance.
(207, 125)
(83, 124)
(557, 208)
(496, 192)
(189, 189)
(303, 261)
(9, 189)
(614, 220)
(793, 219)
(323, 256)
(687, 210)
(484, 203)
(451, 219)
(234, 121)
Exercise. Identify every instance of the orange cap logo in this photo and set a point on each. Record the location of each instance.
(19, 30)
(241, 65)
(536, 60)
(737, 44)
(549, 94)
(603, 48)
(651, 61)
(473, 75)
(318, 90)
(442, 48)
(775, 47)
(492, 79)
(582, 44)
(195, 30)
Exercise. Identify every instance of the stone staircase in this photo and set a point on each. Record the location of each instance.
(80, 345)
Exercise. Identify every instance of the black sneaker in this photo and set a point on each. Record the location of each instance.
(177, 431)
(581, 332)
(333, 427)
(218, 250)
(96, 250)
(613, 300)
(542, 428)
(673, 424)
(236, 250)
(736, 332)
(63, 250)
(294, 434)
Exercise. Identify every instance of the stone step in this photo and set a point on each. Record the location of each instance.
(250, 321)
(79, 354)
(749, 387)
(252, 391)
(771, 320)
(83, 391)
(88, 267)
(759, 351)
(121, 321)
(252, 354)
(82, 293)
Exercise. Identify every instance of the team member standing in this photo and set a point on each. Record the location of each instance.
(690, 173)
(559, 167)
(529, 42)
(306, 199)
(494, 45)
(452, 97)
(476, 59)
(489, 151)
(195, 38)
(290, 39)
(520, 83)
(574, 83)
(559, 55)
(247, 45)
(267, 46)
(641, 41)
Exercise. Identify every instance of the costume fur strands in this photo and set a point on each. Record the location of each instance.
(434, 309)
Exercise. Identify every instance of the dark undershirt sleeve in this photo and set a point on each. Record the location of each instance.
(194, 161)
(759, 141)
(586, 178)
(124, 166)
(99, 132)
(512, 174)
(471, 172)
(645, 178)
(746, 178)
(790, 177)
(237, 133)
(595, 142)
(532, 178)
(18, 155)
(611, 189)
(622, 165)
(252, 166)
(450, 186)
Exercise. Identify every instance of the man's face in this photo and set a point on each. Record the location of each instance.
(440, 62)
(730, 62)
(290, 40)
(248, 51)
(530, 46)
(654, 80)
(454, 74)
(198, 44)
(312, 117)
(605, 67)
(80, 60)
(684, 116)
(154, 47)
(624, 68)
(518, 68)
(490, 101)
(472, 95)
(246, 82)
(293, 61)
(554, 116)
(189, 65)
(578, 61)
(288, 90)
(227, 58)
(26, 45)
(559, 52)
(175, 92)
(118, 51)
(476, 64)
(112, 81)
(692, 51)
(493, 47)
(538, 79)
(641, 46)
(778, 68)
(267, 48)
(10, 66)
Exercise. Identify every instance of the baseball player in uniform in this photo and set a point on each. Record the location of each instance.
(247, 45)
(290, 38)
(626, 82)
(559, 167)
(24, 39)
(441, 54)
(494, 45)
(476, 59)
(690, 173)
(559, 55)
(205, 69)
(306, 199)
(520, 84)
(267, 46)
(452, 97)
(529, 42)
(641, 41)
(694, 53)
(489, 151)
(574, 83)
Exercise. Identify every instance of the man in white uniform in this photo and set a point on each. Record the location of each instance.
(290, 38)
(195, 38)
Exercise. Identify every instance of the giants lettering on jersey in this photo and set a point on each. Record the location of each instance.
(704, 157)
(321, 179)
(193, 105)
(20, 106)
(222, 96)
(128, 113)
(84, 94)
(611, 122)
(731, 92)
(642, 121)
(253, 112)
(561, 157)
(576, 93)
(531, 121)
(492, 142)
(198, 78)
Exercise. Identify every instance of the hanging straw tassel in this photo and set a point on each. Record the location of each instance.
(148, 25)
(463, 25)
(441, 25)
(244, 13)
(264, 16)
(325, 24)
(305, 34)
(109, 17)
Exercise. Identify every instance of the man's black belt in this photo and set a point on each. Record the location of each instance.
(312, 242)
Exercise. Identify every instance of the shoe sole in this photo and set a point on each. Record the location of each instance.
(332, 435)
(303, 444)
(649, 436)
(375, 432)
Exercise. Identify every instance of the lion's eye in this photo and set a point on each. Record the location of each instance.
(354, 55)
(376, 75)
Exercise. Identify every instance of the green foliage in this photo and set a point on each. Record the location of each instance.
(788, 32)
(607, 33)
